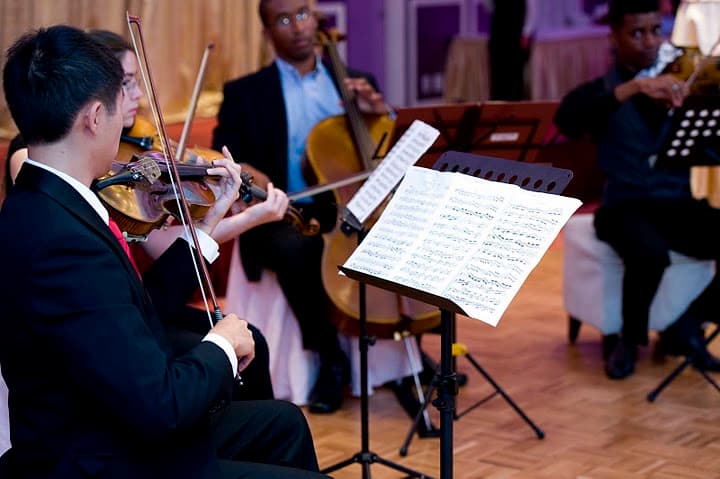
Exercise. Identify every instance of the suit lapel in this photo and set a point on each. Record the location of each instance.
(277, 116)
(68, 198)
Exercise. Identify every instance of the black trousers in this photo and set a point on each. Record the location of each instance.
(193, 325)
(264, 440)
(643, 232)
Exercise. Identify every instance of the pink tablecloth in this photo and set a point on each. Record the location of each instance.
(562, 59)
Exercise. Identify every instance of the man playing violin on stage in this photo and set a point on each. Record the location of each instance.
(645, 211)
(266, 117)
(94, 388)
(191, 324)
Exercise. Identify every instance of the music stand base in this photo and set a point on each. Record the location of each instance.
(369, 457)
(498, 390)
(365, 457)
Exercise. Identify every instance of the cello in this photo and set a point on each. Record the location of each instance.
(339, 147)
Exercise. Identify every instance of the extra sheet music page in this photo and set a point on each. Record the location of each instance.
(466, 239)
(405, 153)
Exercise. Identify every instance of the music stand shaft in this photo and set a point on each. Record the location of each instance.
(447, 390)
(365, 457)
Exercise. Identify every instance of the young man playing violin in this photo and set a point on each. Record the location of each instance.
(267, 116)
(94, 389)
(190, 324)
(645, 211)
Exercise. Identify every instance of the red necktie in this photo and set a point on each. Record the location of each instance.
(124, 244)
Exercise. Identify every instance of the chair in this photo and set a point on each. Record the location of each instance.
(4, 418)
(293, 370)
(592, 283)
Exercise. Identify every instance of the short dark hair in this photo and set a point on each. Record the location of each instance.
(50, 74)
(112, 40)
(619, 8)
(262, 11)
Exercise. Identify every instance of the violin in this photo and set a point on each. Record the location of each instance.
(140, 197)
(142, 136)
(138, 207)
(700, 73)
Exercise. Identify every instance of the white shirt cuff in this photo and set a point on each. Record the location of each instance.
(225, 345)
(209, 247)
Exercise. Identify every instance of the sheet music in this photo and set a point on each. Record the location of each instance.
(418, 138)
(463, 238)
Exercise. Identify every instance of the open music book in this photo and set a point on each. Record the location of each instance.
(470, 241)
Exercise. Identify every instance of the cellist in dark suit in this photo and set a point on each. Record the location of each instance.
(94, 390)
(266, 117)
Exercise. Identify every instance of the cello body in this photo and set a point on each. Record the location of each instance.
(336, 148)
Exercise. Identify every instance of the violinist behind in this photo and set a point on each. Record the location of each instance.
(189, 324)
(266, 118)
(94, 389)
(645, 211)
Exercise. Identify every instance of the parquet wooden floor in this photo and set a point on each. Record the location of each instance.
(595, 428)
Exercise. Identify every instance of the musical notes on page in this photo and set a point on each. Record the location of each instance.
(462, 238)
(405, 153)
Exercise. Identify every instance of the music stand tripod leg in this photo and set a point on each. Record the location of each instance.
(498, 390)
(420, 415)
(365, 456)
(539, 432)
(652, 395)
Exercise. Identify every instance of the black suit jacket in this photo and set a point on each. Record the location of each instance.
(252, 123)
(94, 390)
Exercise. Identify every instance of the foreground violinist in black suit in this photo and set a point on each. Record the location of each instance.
(93, 387)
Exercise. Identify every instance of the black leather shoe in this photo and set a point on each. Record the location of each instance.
(328, 392)
(621, 361)
(706, 361)
(693, 345)
(609, 342)
(669, 345)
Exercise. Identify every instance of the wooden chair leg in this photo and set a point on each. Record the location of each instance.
(573, 328)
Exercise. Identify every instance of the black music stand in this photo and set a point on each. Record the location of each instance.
(529, 176)
(526, 175)
(365, 456)
(694, 139)
(510, 130)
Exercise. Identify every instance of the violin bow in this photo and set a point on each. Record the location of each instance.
(701, 64)
(180, 151)
(183, 209)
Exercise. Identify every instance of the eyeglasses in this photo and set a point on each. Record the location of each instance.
(129, 84)
(285, 20)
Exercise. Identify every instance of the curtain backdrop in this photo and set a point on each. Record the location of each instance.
(176, 33)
